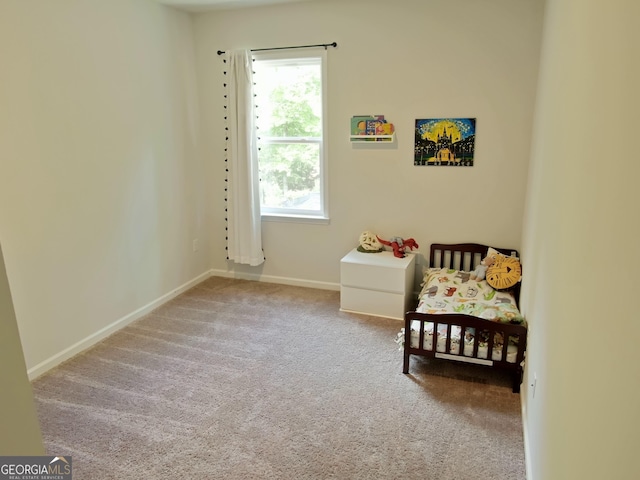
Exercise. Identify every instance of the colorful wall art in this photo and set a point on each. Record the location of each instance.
(371, 128)
(445, 142)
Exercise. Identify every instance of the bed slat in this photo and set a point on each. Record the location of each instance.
(476, 344)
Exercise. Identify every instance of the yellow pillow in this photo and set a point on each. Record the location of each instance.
(504, 273)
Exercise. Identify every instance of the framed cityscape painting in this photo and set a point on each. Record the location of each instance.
(445, 142)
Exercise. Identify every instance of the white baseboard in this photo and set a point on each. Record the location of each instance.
(103, 333)
(296, 282)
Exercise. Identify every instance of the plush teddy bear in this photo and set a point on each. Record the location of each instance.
(481, 270)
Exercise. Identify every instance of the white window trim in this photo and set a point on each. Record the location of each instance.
(303, 217)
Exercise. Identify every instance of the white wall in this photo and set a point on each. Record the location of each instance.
(408, 59)
(580, 243)
(102, 188)
(20, 432)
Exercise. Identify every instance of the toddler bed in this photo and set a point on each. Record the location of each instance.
(462, 317)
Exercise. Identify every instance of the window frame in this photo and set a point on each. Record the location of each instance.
(291, 214)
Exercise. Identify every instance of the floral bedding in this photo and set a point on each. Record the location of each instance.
(453, 291)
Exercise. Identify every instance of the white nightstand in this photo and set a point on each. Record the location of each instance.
(377, 283)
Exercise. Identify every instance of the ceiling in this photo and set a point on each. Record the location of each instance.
(208, 5)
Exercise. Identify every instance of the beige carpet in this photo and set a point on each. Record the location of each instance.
(246, 380)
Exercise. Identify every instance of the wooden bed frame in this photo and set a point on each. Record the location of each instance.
(465, 256)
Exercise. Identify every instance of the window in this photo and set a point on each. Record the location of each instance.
(289, 88)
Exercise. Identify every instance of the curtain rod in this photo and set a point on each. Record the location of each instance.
(325, 45)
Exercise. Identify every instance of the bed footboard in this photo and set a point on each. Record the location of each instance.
(466, 339)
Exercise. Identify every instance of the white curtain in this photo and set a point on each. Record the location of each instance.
(244, 234)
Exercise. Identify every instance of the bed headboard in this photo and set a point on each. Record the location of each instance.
(461, 256)
(465, 256)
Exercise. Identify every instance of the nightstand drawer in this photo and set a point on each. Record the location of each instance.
(373, 302)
